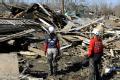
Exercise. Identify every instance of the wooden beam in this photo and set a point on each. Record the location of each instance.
(37, 51)
(17, 35)
(87, 25)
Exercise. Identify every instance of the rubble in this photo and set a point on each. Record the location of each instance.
(74, 37)
(20, 34)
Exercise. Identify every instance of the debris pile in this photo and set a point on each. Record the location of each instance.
(26, 31)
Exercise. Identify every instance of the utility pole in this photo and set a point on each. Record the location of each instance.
(62, 6)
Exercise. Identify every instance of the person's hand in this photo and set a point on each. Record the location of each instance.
(86, 56)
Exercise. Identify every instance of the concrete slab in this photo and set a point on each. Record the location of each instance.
(8, 66)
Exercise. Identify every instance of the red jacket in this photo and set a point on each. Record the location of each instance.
(95, 46)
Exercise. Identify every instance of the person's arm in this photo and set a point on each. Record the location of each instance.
(46, 46)
(91, 48)
(58, 46)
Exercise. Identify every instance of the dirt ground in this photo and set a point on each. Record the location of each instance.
(69, 68)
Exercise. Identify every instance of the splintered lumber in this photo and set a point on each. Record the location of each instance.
(8, 21)
(87, 24)
(33, 78)
(45, 29)
(39, 52)
(116, 28)
(43, 21)
(28, 53)
(68, 26)
(64, 47)
(47, 24)
(110, 40)
(17, 35)
(113, 32)
(112, 52)
(85, 40)
(10, 28)
(19, 15)
(75, 33)
(43, 16)
(69, 38)
(116, 49)
(44, 10)
(61, 39)
(9, 66)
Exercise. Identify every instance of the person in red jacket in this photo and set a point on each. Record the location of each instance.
(52, 50)
(95, 52)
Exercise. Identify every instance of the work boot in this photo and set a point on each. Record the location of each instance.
(55, 66)
(51, 73)
(50, 68)
(55, 71)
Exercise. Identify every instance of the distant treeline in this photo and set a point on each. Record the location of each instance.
(98, 7)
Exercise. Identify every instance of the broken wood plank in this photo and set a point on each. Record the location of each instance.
(74, 33)
(33, 78)
(85, 40)
(69, 38)
(39, 52)
(7, 21)
(61, 39)
(67, 46)
(17, 35)
(45, 29)
(68, 26)
(113, 32)
(28, 53)
(116, 49)
(44, 10)
(112, 52)
(105, 42)
(43, 21)
(87, 24)
(47, 25)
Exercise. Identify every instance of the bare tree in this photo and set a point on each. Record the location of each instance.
(117, 10)
(102, 7)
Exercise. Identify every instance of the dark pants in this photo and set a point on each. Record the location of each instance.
(95, 62)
